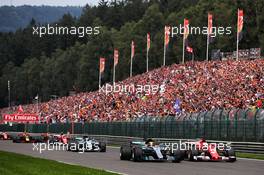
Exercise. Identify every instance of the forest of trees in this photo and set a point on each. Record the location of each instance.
(55, 65)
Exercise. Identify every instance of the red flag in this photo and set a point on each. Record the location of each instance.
(148, 41)
(167, 35)
(132, 49)
(240, 22)
(189, 49)
(186, 28)
(20, 109)
(116, 55)
(210, 27)
(102, 65)
(210, 24)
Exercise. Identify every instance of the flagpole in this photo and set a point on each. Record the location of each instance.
(147, 60)
(131, 64)
(237, 35)
(183, 49)
(164, 55)
(207, 47)
(114, 76)
(99, 79)
(9, 103)
(38, 107)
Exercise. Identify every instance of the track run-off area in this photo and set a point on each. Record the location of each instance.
(110, 161)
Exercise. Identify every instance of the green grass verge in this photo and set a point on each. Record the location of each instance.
(250, 155)
(17, 164)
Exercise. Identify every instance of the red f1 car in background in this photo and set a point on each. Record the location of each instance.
(58, 138)
(204, 151)
(27, 138)
(23, 138)
(4, 136)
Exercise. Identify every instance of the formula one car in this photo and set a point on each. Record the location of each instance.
(53, 139)
(85, 143)
(26, 138)
(4, 136)
(202, 151)
(149, 151)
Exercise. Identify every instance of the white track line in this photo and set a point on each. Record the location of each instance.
(95, 168)
(249, 159)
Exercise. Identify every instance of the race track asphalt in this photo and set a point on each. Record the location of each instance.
(110, 161)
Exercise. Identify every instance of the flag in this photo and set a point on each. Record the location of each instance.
(20, 109)
(166, 35)
(240, 22)
(189, 49)
(132, 49)
(102, 65)
(148, 41)
(177, 106)
(210, 27)
(186, 31)
(116, 55)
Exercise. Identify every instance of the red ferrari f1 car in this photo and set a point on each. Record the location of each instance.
(4, 136)
(204, 151)
(23, 138)
(62, 138)
(27, 138)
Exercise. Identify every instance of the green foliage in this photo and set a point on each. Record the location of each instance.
(17, 164)
(55, 65)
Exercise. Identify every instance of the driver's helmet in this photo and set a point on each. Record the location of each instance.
(203, 140)
(150, 142)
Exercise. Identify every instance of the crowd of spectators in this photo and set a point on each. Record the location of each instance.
(198, 86)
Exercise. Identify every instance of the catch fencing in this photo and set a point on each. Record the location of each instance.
(229, 125)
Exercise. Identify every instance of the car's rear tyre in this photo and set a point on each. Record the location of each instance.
(178, 156)
(191, 154)
(137, 154)
(231, 154)
(102, 147)
(15, 140)
(125, 152)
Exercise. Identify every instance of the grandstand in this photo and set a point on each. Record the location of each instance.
(198, 86)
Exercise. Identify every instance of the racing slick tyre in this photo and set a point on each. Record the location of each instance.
(178, 156)
(137, 154)
(191, 154)
(102, 147)
(231, 154)
(125, 152)
(16, 140)
(68, 148)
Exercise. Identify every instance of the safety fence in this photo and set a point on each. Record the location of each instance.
(230, 125)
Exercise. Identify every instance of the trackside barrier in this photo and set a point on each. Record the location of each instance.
(236, 125)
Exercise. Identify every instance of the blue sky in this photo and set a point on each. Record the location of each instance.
(48, 2)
